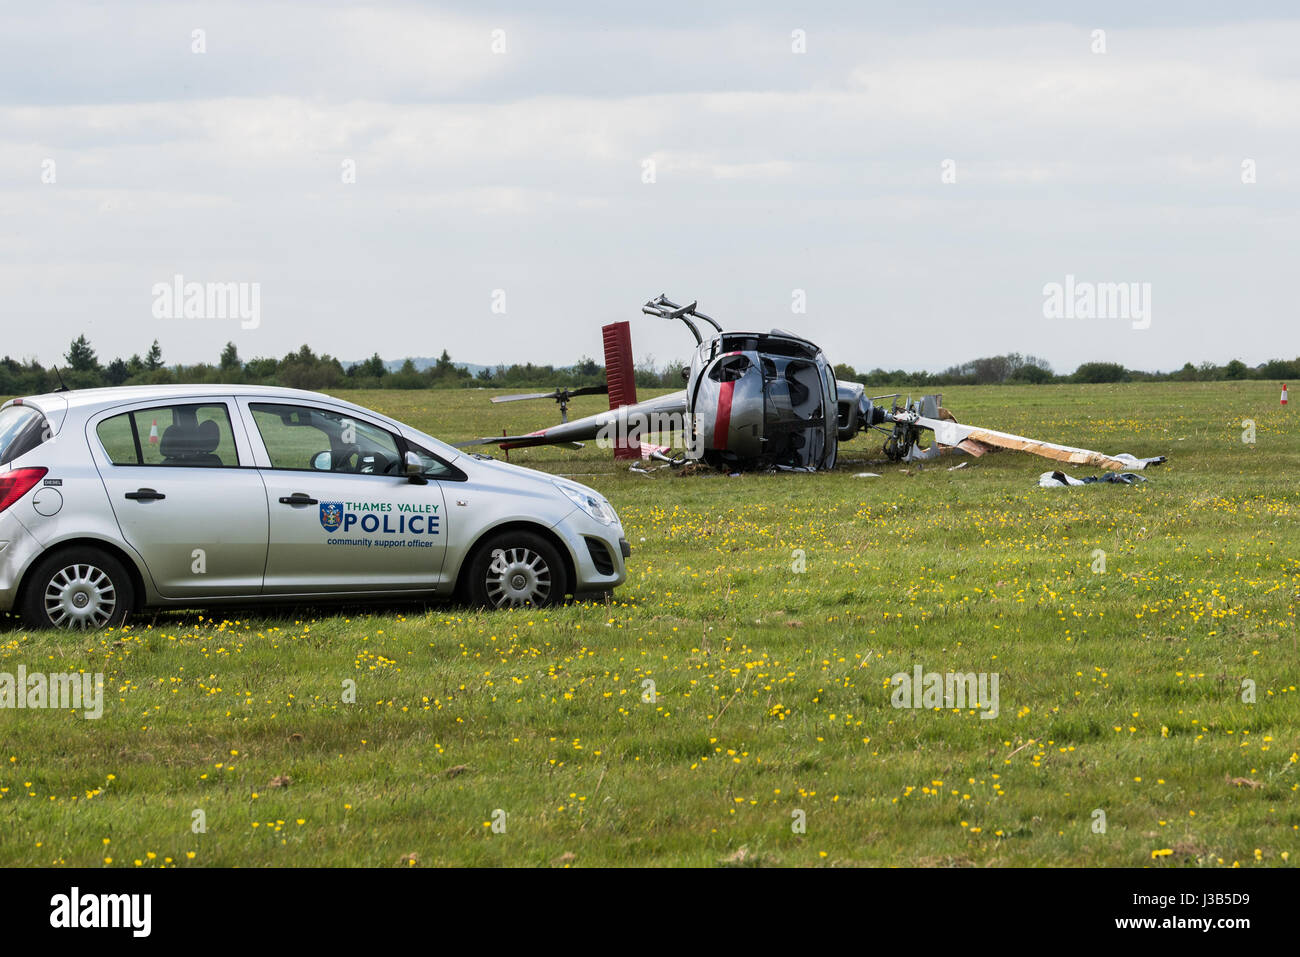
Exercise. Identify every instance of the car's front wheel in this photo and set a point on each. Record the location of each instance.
(81, 588)
(516, 568)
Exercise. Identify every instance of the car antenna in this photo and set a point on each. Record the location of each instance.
(62, 385)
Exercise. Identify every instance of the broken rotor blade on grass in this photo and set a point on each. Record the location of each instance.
(958, 434)
(1061, 480)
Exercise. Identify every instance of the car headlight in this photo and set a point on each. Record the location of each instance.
(591, 503)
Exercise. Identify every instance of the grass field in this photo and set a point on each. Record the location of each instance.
(1121, 691)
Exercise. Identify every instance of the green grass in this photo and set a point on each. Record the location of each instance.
(1119, 691)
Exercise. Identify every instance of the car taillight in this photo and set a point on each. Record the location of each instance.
(14, 485)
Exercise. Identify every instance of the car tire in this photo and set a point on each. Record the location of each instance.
(78, 589)
(515, 569)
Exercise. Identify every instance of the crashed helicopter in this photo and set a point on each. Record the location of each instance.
(764, 401)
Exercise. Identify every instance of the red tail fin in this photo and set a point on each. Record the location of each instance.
(620, 375)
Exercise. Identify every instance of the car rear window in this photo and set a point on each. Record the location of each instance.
(22, 428)
(193, 436)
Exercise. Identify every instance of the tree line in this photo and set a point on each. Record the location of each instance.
(1031, 370)
(302, 369)
(305, 369)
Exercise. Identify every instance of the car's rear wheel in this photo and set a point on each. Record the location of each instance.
(516, 568)
(84, 589)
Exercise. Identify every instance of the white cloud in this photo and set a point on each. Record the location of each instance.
(775, 171)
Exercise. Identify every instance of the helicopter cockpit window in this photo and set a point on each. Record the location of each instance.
(793, 388)
(794, 429)
(730, 369)
(805, 389)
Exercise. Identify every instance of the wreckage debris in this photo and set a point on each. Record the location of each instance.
(1061, 480)
(976, 441)
(973, 438)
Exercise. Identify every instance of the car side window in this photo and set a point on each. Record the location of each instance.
(185, 436)
(302, 437)
(118, 439)
(434, 467)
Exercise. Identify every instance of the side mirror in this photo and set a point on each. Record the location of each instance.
(414, 469)
(322, 461)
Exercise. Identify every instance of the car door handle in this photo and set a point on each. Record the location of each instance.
(298, 498)
(145, 495)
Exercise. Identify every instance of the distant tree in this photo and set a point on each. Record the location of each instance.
(18, 378)
(992, 369)
(407, 377)
(230, 361)
(306, 370)
(153, 358)
(81, 357)
(674, 374)
(261, 370)
(445, 371)
(1100, 372)
(1033, 373)
(1235, 369)
(117, 372)
(1279, 369)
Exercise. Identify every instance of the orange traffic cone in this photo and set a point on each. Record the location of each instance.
(153, 432)
(1284, 393)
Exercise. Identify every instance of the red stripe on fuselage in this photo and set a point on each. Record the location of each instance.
(723, 421)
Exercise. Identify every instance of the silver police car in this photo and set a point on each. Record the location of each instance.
(114, 500)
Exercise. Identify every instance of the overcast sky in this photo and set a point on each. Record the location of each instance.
(524, 171)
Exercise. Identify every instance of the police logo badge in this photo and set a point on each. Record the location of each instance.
(331, 516)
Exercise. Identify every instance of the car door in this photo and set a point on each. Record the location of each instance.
(182, 487)
(344, 516)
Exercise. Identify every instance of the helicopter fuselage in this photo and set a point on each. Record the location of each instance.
(762, 400)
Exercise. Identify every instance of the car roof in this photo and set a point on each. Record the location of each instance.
(58, 404)
(81, 398)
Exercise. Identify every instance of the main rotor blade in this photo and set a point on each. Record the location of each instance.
(490, 440)
(519, 441)
(953, 433)
(525, 395)
(557, 394)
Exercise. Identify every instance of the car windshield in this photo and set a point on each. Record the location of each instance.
(21, 429)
